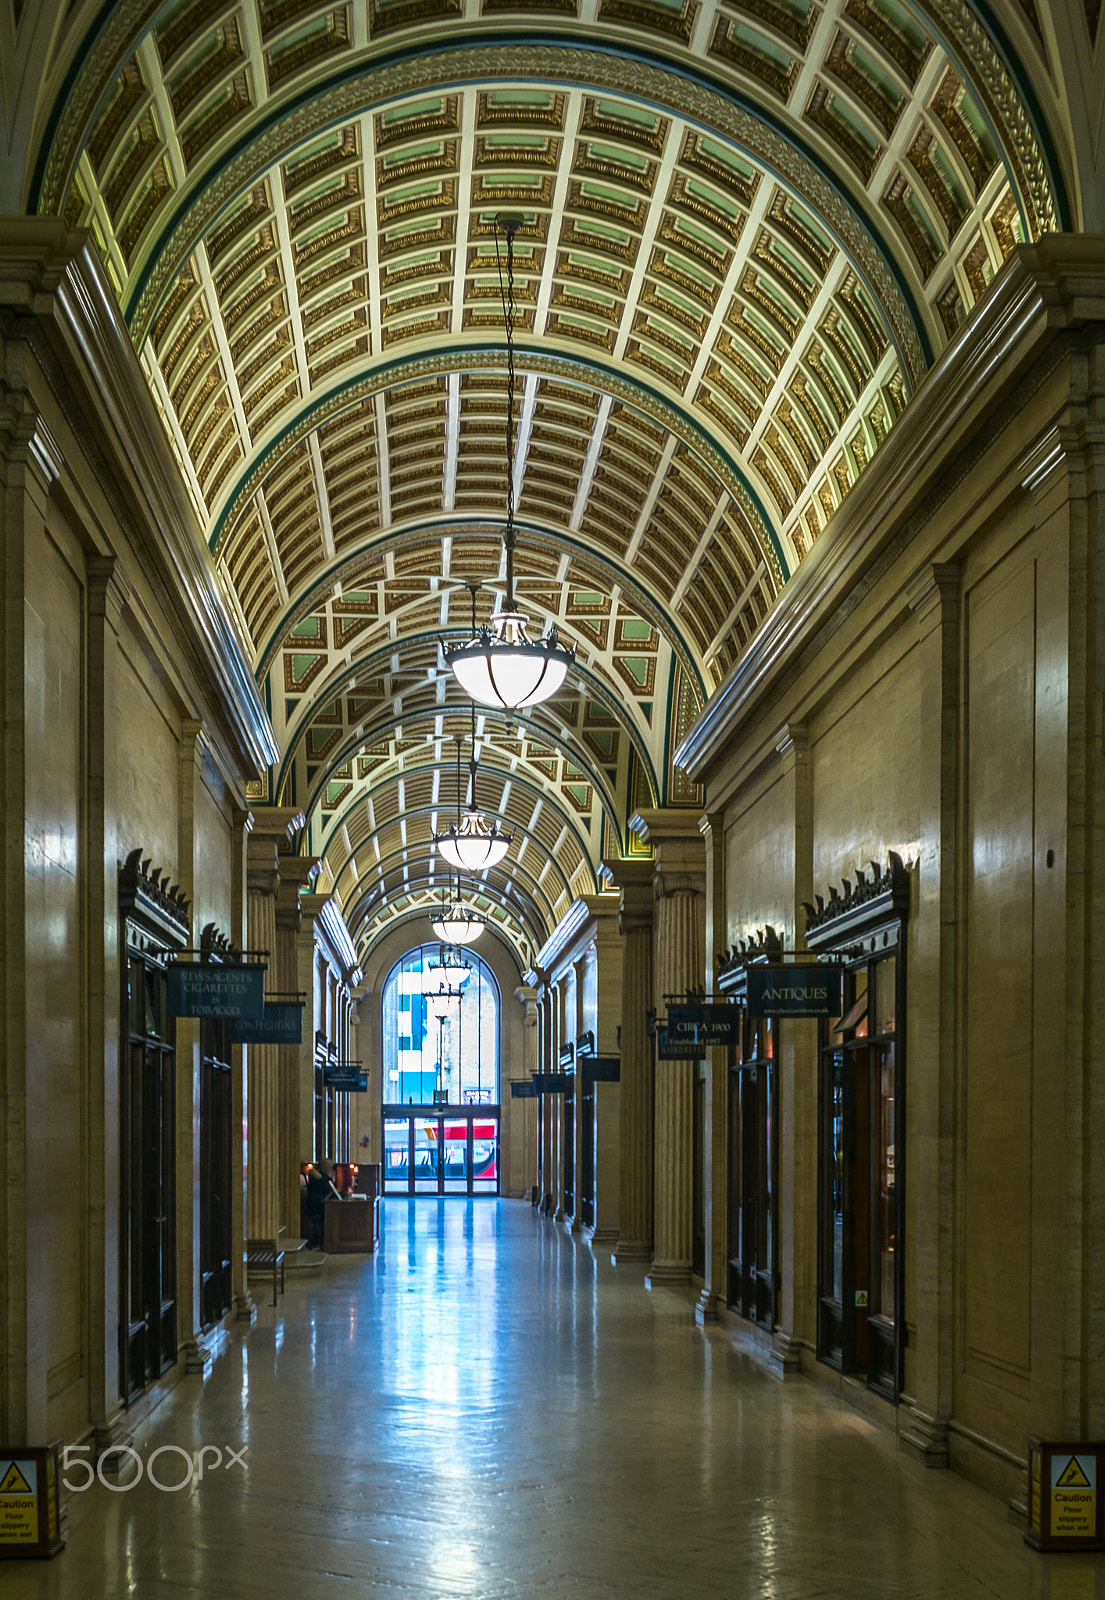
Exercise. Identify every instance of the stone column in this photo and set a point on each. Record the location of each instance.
(296, 873)
(193, 1348)
(679, 884)
(715, 1152)
(548, 1104)
(245, 1309)
(264, 1154)
(607, 1022)
(107, 595)
(796, 1044)
(574, 1000)
(522, 1113)
(634, 1243)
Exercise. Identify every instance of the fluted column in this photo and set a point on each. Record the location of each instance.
(263, 1150)
(678, 932)
(296, 872)
(548, 1052)
(678, 962)
(635, 1132)
(522, 1124)
(715, 1142)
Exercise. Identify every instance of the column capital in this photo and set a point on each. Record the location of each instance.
(654, 826)
(792, 741)
(109, 588)
(262, 864)
(934, 588)
(634, 879)
(295, 873)
(282, 823)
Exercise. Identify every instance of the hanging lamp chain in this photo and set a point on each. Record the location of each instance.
(509, 226)
(473, 806)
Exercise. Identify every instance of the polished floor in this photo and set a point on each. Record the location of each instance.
(484, 1411)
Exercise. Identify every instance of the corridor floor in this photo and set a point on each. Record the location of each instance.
(486, 1410)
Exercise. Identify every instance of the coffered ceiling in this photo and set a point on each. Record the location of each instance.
(748, 230)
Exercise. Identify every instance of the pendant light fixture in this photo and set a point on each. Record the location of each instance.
(472, 843)
(457, 924)
(501, 665)
(451, 971)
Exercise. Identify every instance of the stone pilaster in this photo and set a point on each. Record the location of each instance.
(296, 873)
(264, 1158)
(934, 599)
(189, 1071)
(715, 1152)
(547, 1104)
(677, 964)
(108, 594)
(796, 1065)
(523, 1129)
(678, 931)
(635, 1154)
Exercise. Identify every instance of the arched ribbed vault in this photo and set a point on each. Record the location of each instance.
(749, 227)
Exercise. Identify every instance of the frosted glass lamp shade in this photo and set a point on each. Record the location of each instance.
(473, 844)
(457, 925)
(503, 667)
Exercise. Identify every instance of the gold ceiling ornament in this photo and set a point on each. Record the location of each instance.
(501, 665)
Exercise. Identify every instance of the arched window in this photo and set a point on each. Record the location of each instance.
(456, 1051)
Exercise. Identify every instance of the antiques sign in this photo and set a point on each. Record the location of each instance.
(202, 989)
(810, 991)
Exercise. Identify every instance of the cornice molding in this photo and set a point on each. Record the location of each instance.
(53, 277)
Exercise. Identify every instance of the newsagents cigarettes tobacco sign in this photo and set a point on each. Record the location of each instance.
(199, 990)
(812, 991)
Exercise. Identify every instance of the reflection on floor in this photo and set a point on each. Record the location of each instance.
(485, 1410)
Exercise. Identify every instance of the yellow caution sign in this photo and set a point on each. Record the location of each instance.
(18, 1502)
(1073, 1497)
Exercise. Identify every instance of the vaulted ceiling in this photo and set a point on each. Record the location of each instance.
(748, 230)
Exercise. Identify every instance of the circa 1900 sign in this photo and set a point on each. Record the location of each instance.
(811, 991)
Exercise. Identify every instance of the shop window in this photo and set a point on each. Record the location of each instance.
(154, 927)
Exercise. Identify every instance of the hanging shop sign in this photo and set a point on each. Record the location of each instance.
(669, 1049)
(811, 991)
(346, 1079)
(29, 1523)
(281, 1022)
(601, 1069)
(705, 1025)
(554, 1082)
(523, 1089)
(209, 989)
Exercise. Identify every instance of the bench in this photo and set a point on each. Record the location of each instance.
(267, 1255)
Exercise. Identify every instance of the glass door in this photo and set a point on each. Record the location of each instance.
(398, 1166)
(448, 1152)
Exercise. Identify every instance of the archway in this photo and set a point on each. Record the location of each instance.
(440, 1076)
